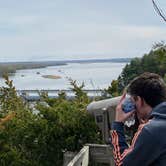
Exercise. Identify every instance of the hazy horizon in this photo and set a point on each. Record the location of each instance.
(47, 60)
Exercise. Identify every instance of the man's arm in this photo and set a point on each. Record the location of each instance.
(143, 150)
(118, 137)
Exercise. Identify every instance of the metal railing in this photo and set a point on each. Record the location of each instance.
(33, 95)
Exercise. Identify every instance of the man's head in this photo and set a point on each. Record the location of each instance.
(147, 90)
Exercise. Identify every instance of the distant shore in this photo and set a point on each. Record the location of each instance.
(113, 60)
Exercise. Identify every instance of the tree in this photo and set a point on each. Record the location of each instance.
(39, 138)
(154, 61)
(112, 90)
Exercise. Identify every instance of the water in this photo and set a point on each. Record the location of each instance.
(94, 75)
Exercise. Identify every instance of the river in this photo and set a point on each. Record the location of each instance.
(94, 76)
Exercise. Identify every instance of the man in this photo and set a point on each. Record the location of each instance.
(148, 147)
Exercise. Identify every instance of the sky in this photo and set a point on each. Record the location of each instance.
(78, 29)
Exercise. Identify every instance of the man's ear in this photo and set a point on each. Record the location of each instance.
(140, 102)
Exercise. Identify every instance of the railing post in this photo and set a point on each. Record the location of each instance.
(67, 157)
(82, 158)
(101, 154)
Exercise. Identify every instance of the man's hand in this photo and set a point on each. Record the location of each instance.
(121, 116)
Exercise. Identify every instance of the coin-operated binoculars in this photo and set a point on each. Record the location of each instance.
(104, 113)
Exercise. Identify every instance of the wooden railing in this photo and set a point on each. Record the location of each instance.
(82, 158)
(93, 153)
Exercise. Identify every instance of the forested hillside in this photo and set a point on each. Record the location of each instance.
(154, 61)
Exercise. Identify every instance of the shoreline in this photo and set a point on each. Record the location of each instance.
(10, 69)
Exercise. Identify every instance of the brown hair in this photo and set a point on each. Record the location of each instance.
(150, 87)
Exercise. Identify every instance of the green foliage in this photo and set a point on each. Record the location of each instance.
(39, 139)
(112, 90)
(154, 61)
(8, 97)
(81, 96)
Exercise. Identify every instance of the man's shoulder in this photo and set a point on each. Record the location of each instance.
(156, 129)
(155, 124)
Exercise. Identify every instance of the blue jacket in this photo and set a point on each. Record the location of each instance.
(148, 147)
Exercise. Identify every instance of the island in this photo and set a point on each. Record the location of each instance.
(51, 76)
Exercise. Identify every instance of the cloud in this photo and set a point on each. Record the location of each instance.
(76, 29)
(82, 40)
